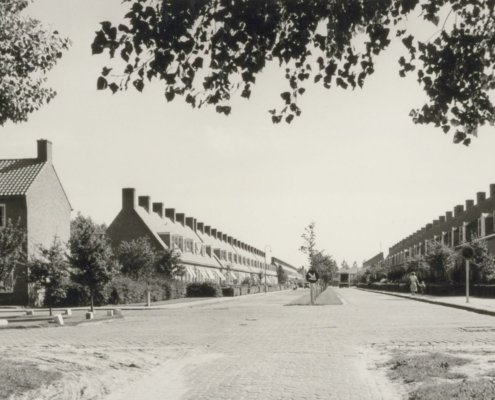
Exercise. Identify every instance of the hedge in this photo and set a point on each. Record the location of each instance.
(203, 289)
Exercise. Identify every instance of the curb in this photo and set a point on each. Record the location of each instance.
(439, 303)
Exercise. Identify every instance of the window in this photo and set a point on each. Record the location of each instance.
(178, 242)
(3, 216)
(189, 245)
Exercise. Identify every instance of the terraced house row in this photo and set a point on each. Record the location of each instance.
(464, 224)
(207, 253)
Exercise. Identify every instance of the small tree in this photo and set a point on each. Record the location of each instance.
(309, 245)
(282, 275)
(326, 266)
(418, 265)
(138, 260)
(90, 256)
(12, 251)
(437, 257)
(482, 265)
(48, 270)
(168, 264)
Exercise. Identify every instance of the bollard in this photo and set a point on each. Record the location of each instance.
(30, 313)
(58, 319)
(68, 311)
(3, 322)
(109, 313)
(89, 315)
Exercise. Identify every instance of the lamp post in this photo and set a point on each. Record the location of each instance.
(467, 253)
(266, 263)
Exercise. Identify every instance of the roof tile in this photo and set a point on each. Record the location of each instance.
(16, 176)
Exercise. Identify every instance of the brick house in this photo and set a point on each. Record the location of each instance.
(206, 253)
(31, 192)
(463, 224)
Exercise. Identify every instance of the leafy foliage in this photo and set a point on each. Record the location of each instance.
(203, 289)
(49, 270)
(309, 246)
(482, 265)
(207, 51)
(326, 266)
(28, 51)
(90, 256)
(12, 251)
(137, 259)
(168, 264)
(282, 275)
(438, 257)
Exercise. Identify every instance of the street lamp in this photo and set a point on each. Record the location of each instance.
(467, 253)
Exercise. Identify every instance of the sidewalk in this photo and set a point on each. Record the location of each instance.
(162, 305)
(476, 304)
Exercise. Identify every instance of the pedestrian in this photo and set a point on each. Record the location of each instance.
(413, 283)
(422, 287)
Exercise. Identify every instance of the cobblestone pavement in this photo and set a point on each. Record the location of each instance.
(249, 348)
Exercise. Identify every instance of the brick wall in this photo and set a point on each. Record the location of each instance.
(48, 211)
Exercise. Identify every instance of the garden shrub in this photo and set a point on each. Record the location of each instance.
(203, 289)
(175, 289)
(228, 292)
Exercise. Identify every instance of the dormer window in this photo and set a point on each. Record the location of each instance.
(189, 245)
(178, 242)
(3, 216)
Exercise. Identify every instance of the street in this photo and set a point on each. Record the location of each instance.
(252, 347)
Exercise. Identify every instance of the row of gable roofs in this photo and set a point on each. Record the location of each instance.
(162, 226)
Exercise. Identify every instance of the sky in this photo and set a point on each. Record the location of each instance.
(353, 162)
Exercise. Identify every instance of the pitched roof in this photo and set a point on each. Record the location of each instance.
(16, 176)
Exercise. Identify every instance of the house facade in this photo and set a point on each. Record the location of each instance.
(465, 223)
(31, 193)
(207, 253)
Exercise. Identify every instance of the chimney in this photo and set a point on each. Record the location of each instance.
(158, 208)
(492, 190)
(469, 204)
(429, 226)
(441, 218)
(170, 213)
(458, 210)
(128, 198)
(44, 150)
(190, 222)
(436, 222)
(219, 235)
(208, 230)
(181, 218)
(448, 215)
(200, 227)
(213, 232)
(195, 223)
(224, 237)
(144, 201)
(230, 240)
(480, 197)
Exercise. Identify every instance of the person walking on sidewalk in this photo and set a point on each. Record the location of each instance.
(413, 283)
